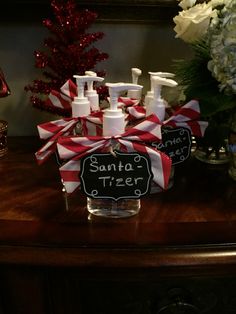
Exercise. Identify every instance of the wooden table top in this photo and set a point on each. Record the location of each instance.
(192, 224)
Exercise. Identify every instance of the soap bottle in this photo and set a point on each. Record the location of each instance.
(81, 105)
(114, 124)
(91, 93)
(149, 95)
(157, 106)
(133, 93)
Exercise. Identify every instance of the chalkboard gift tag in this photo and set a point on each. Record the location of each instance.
(176, 143)
(123, 176)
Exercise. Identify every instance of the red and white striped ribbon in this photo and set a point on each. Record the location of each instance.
(135, 139)
(53, 130)
(63, 98)
(186, 116)
(136, 112)
(125, 102)
(91, 125)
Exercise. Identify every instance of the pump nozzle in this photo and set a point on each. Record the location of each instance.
(90, 92)
(80, 105)
(158, 82)
(90, 73)
(157, 105)
(113, 118)
(116, 88)
(80, 82)
(90, 83)
(162, 74)
(135, 75)
(149, 95)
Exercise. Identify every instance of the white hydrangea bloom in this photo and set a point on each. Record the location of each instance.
(222, 43)
(215, 3)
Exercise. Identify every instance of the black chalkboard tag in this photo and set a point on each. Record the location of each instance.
(125, 175)
(176, 143)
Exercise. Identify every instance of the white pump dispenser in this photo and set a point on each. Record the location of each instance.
(137, 94)
(157, 104)
(91, 93)
(114, 124)
(80, 105)
(149, 95)
(113, 118)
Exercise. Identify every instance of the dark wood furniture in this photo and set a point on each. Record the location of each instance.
(178, 254)
(116, 11)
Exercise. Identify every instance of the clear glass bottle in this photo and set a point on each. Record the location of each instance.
(113, 124)
(110, 208)
(113, 209)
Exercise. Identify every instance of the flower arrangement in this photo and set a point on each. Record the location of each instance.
(210, 76)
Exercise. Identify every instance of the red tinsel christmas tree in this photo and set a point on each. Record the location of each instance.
(67, 52)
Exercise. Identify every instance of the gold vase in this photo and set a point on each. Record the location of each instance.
(3, 138)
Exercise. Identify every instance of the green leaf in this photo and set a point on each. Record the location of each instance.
(198, 83)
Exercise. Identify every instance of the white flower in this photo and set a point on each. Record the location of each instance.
(185, 4)
(192, 24)
(222, 43)
(215, 3)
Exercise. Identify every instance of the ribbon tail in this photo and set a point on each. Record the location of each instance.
(45, 152)
(160, 163)
(69, 89)
(50, 147)
(161, 167)
(58, 100)
(188, 117)
(70, 171)
(70, 175)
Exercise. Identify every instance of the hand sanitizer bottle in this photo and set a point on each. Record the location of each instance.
(114, 124)
(81, 106)
(157, 104)
(133, 93)
(91, 93)
(149, 95)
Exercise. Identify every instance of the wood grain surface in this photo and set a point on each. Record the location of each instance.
(192, 224)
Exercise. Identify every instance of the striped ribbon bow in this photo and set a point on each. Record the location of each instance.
(63, 127)
(63, 98)
(135, 139)
(186, 116)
